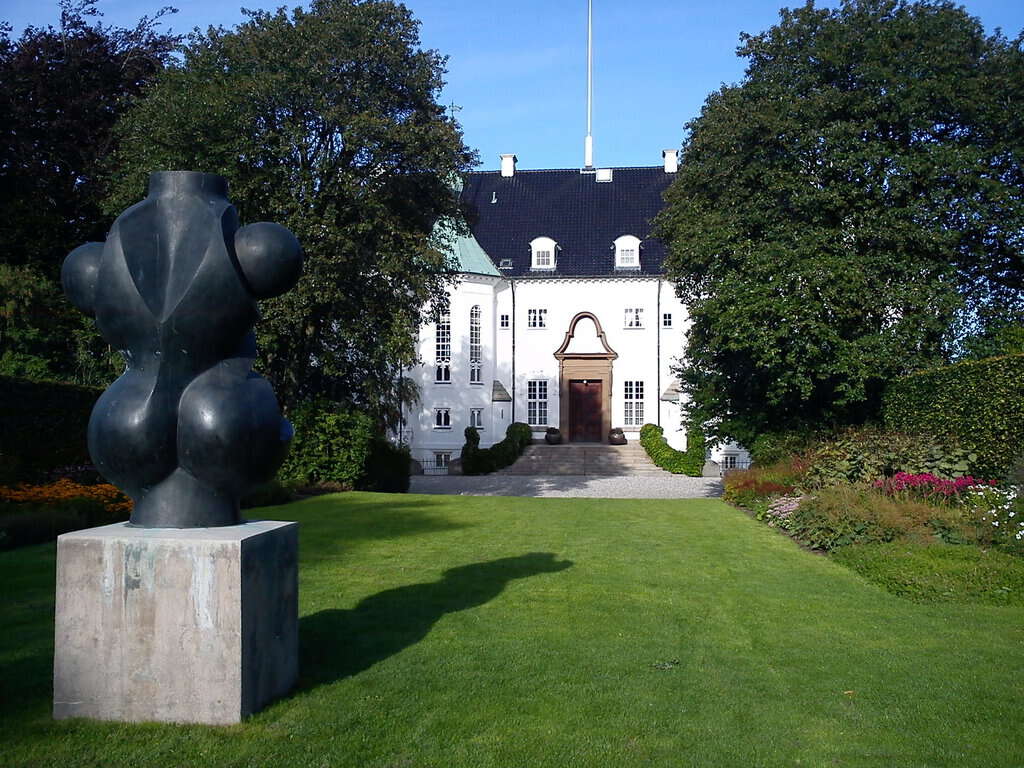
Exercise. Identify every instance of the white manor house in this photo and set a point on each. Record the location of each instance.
(562, 316)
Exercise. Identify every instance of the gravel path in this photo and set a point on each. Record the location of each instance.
(665, 486)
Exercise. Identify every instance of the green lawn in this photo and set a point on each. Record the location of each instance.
(516, 633)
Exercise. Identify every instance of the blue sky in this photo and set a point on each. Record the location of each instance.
(517, 70)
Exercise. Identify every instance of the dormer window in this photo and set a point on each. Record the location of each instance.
(627, 252)
(543, 249)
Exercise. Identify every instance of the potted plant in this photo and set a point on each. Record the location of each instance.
(617, 437)
(553, 436)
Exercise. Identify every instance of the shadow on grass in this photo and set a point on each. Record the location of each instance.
(339, 643)
(338, 520)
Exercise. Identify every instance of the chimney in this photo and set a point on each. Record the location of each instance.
(671, 160)
(508, 165)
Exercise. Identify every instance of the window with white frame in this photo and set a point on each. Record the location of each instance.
(443, 350)
(634, 317)
(475, 355)
(633, 402)
(666, 320)
(504, 321)
(536, 318)
(441, 460)
(729, 461)
(476, 417)
(543, 250)
(537, 403)
(627, 252)
(442, 418)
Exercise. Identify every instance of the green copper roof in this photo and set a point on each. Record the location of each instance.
(466, 251)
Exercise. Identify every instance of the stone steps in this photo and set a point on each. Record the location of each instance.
(583, 459)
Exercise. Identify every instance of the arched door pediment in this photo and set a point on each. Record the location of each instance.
(607, 354)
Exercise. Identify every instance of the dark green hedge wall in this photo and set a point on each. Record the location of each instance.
(980, 403)
(42, 427)
(689, 462)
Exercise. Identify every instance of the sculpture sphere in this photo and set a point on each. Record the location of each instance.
(188, 428)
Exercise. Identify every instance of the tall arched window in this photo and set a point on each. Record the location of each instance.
(443, 349)
(475, 350)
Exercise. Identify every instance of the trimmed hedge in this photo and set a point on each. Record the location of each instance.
(339, 446)
(980, 403)
(689, 462)
(44, 426)
(480, 461)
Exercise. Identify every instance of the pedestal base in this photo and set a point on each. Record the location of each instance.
(195, 625)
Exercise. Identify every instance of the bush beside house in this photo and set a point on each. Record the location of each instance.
(480, 461)
(689, 462)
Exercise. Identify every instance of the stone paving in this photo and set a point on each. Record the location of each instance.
(662, 486)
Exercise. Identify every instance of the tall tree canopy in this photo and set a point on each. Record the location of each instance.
(837, 210)
(326, 121)
(61, 91)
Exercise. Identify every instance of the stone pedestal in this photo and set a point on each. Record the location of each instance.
(196, 625)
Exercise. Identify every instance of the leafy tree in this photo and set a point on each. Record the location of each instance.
(61, 90)
(841, 206)
(326, 121)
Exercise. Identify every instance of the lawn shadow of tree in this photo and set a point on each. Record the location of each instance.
(337, 643)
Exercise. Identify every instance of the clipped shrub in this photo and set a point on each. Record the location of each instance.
(331, 445)
(689, 462)
(868, 454)
(480, 461)
(271, 494)
(43, 426)
(842, 515)
(387, 468)
(979, 403)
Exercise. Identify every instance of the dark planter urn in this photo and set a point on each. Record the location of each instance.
(188, 428)
(553, 436)
(616, 437)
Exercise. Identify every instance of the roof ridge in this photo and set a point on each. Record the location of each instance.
(573, 170)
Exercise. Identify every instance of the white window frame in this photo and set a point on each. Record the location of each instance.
(442, 459)
(537, 402)
(537, 317)
(730, 461)
(633, 318)
(633, 403)
(476, 364)
(544, 252)
(505, 321)
(476, 418)
(627, 252)
(442, 418)
(443, 350)
(666, 319)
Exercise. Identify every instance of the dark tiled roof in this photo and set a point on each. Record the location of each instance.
(580, 214)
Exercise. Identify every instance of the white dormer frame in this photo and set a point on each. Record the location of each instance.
(544, 252)
(627, 252)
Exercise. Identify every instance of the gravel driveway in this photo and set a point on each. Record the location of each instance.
(665, 486)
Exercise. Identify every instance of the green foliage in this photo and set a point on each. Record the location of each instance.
(270, 494)
(43, 427)
(836, 210)
(386, 469)
(929, 573)
(869, 454)
(61, 90)
(978, 403)
(772, 447)
(842, 515)
(327, 121)
(481, 461)
(331, 445)
(689, 462)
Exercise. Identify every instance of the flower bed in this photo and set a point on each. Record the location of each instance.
(31, 514)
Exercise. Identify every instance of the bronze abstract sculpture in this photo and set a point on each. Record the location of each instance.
(188, 428)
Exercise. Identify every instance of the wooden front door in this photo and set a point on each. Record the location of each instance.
(585, 411)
